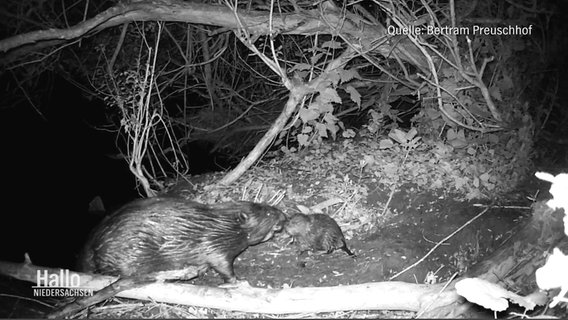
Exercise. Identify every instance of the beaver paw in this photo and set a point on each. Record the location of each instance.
(237, 284)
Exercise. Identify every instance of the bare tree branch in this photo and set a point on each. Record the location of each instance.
(256, 22)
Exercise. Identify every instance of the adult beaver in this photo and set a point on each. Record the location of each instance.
(160, 234)
(167, 238)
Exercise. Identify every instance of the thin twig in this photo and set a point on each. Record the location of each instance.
(502, 207)
(439, 244)
(419, 314)
(118, 48)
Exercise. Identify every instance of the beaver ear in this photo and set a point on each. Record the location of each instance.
(242, 217)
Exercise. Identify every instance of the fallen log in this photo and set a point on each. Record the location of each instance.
(370, 296)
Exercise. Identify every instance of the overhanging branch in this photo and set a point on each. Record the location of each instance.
(256, 22)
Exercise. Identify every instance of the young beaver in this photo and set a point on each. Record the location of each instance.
(316, 232)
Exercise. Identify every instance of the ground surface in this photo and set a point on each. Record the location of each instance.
(406, 238)
(418, 221)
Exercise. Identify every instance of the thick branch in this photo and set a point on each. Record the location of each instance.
(370, 296)
(297, 93)
(256, 22)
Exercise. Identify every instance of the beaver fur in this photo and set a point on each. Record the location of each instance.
(316, 232)
(161, 234)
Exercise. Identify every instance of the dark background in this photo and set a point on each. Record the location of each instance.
(53, 168)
